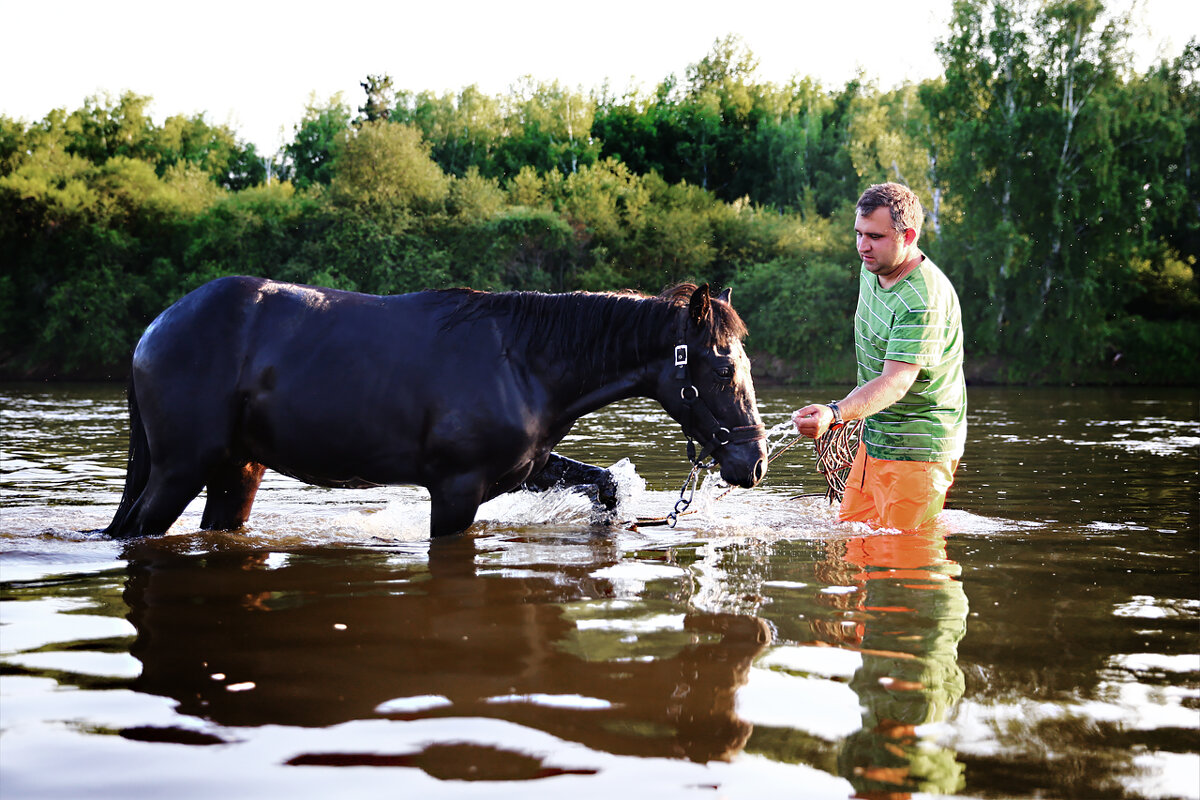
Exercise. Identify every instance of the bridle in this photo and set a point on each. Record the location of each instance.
(698, 417)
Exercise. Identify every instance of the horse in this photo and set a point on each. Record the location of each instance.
(463, 392)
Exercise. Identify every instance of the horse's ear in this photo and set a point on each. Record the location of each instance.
(701, 306)
(726, 296)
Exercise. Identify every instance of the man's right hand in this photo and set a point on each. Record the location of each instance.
(812, 421)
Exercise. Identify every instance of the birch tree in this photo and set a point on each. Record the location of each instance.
(1025, 119)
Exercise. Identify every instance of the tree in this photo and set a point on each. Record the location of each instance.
(548, 127)
(213, 148)
(385, 170)
(105, 127)
(462, 129)
(1024, 120)
(309, 157)
(380, 98)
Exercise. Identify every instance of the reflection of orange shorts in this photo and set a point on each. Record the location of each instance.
(895, 494)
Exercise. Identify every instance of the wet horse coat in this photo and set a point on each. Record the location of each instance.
(462, 392)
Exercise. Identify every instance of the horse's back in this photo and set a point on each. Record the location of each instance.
(235, 320)
(334, 387)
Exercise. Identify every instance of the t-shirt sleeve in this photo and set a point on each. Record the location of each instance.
(917, 337)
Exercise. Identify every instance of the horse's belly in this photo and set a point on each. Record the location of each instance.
(330, 421)
(338, 471)
(332, 448)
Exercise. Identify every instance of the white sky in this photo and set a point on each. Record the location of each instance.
(253, 64)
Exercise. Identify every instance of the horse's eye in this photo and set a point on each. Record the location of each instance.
(725, 373)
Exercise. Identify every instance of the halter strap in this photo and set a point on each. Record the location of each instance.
(711, 433)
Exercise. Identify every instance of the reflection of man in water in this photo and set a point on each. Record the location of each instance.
(914, 613)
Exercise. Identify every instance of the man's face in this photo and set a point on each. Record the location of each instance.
(882, 248)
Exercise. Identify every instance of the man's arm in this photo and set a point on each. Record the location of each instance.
(870, 398)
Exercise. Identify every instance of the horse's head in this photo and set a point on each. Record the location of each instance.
(707, 386)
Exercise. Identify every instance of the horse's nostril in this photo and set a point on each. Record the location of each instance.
(760, 469)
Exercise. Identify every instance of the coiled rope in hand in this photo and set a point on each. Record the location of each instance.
(835, 455)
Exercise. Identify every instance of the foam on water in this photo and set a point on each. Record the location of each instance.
(289, 513)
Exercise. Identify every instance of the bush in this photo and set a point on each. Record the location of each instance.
(804, 314)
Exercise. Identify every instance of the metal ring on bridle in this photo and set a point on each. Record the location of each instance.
(683, 393)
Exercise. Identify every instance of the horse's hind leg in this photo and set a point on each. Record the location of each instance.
(165, 497)
(231, 491)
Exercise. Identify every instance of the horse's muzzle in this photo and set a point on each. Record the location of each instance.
(746, 473)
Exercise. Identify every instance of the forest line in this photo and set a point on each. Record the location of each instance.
(1061, 188)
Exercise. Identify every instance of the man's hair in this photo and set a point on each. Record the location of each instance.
(902, 202)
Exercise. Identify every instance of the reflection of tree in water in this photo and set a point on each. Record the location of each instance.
(320, 638)
(909, 614)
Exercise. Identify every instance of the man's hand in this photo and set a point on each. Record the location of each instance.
(812, 421)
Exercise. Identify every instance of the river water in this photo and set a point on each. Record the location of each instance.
(1039, 640)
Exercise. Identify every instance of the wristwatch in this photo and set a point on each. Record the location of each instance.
(837, 413)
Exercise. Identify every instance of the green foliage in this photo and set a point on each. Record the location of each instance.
(532, 249)
(1152, 351)
(463, 130)
(548, 128)
(12, 139)
(308, 158)
(261, 231)
(1062, 171)
(474, 198)
(214, 150)
(380, 96)
(1059, 186)
(800, 306)
(107, 127)
(385, 171)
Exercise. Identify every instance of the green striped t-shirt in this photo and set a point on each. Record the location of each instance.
(917, 321)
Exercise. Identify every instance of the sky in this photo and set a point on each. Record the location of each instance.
(254, 64)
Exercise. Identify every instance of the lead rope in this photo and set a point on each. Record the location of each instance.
(835, 454)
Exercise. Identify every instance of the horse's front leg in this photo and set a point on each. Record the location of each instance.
(563, 471)
(454, 502)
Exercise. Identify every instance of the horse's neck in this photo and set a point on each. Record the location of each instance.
(585, 387)
(596, 394)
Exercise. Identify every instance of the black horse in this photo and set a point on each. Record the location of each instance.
(465, 393)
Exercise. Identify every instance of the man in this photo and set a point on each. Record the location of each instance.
(911, 392)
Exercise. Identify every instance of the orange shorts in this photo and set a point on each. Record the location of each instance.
(895, 494)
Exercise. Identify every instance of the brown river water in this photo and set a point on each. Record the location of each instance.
(1041, 639)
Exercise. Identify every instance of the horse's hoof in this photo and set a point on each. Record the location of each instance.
(604, 503)
(606, 491)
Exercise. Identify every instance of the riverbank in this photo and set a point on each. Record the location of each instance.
(769, 370)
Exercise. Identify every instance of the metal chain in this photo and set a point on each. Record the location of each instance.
(681, 505)
(835, 455)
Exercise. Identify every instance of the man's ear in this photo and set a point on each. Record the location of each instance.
(910, 236)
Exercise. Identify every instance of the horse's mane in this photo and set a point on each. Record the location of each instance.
(613, 321)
